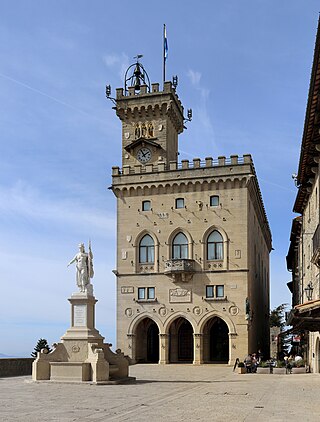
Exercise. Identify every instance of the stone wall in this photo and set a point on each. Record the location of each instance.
(15, 367)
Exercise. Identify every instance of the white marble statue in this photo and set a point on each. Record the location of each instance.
(84, 268)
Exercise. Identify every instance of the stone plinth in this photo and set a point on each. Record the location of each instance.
(82, 356)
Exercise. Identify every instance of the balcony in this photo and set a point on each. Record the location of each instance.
(316, 247)
(179, 269)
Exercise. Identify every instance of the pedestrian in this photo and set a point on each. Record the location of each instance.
(248, 363)
(254, 363)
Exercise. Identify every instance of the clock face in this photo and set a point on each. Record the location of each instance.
(144, 155)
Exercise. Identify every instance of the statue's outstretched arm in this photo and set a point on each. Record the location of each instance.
(72, 261)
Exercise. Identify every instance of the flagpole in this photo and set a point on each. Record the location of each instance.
(164, 55)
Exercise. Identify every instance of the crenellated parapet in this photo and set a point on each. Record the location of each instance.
(221, 164)
(156, 104)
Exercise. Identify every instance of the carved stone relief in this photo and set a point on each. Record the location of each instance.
(128, 312)
(163, 311)
(233, 310)
(197, 310)
(179, 295)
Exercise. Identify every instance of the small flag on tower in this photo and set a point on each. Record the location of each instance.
(165, 43)
(165, 51)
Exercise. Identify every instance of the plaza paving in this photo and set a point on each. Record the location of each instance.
(166, 393)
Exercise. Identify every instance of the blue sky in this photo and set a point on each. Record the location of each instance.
(243, 66)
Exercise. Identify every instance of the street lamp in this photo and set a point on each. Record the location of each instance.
(309, 291)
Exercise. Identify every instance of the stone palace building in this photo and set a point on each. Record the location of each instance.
(193, 240)
(303, 259)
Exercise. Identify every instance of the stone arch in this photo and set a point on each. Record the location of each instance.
(223, 316)
(175, 188)
(216, 341)
(236, 183)
(146, 344)
(181, 332)
(136, 320)
(175, 315)
(243, 182)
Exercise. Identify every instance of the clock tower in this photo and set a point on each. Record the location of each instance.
(193, 239)
(151, 119)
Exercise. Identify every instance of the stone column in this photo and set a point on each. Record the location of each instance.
(132, 346)
(233, 354)
(197, 349)
(164, 348)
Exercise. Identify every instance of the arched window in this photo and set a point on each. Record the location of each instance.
(146, 250)
(215, 246)
(180, 247)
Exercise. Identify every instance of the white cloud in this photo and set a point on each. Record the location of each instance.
(201, 110)
(118, 61)
(23, 200)
(194, 76)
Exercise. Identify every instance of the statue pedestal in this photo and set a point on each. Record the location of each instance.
(82, 356)
(82, 319)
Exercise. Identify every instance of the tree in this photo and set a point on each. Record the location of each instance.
(277, 316)
(42, 344)
(277, 319)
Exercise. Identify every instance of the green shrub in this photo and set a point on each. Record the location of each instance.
(264, 364)
(280, 364)
(240, 365)
(299, 363)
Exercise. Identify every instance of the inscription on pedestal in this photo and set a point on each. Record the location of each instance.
(80, 315)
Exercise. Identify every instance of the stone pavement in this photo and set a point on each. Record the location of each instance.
(168, 393)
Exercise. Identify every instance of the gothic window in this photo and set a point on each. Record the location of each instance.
(180, 203)
(180, 247)
(146, 205)
(215, 246)
(214, 201)
(146, 250)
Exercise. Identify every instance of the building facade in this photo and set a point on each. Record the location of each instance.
(303, 259)
(193, 242)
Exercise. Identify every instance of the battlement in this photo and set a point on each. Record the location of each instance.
(153, 95)
(196, 163)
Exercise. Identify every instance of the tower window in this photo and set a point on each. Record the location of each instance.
(180, 203)
(215, 246)
(180, 247)
(214, 200)
(146, 205)
(146, 250)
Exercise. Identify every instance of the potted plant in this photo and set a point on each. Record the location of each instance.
(263, 368)
(241, 368)
(280, 368)
(299, 367)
